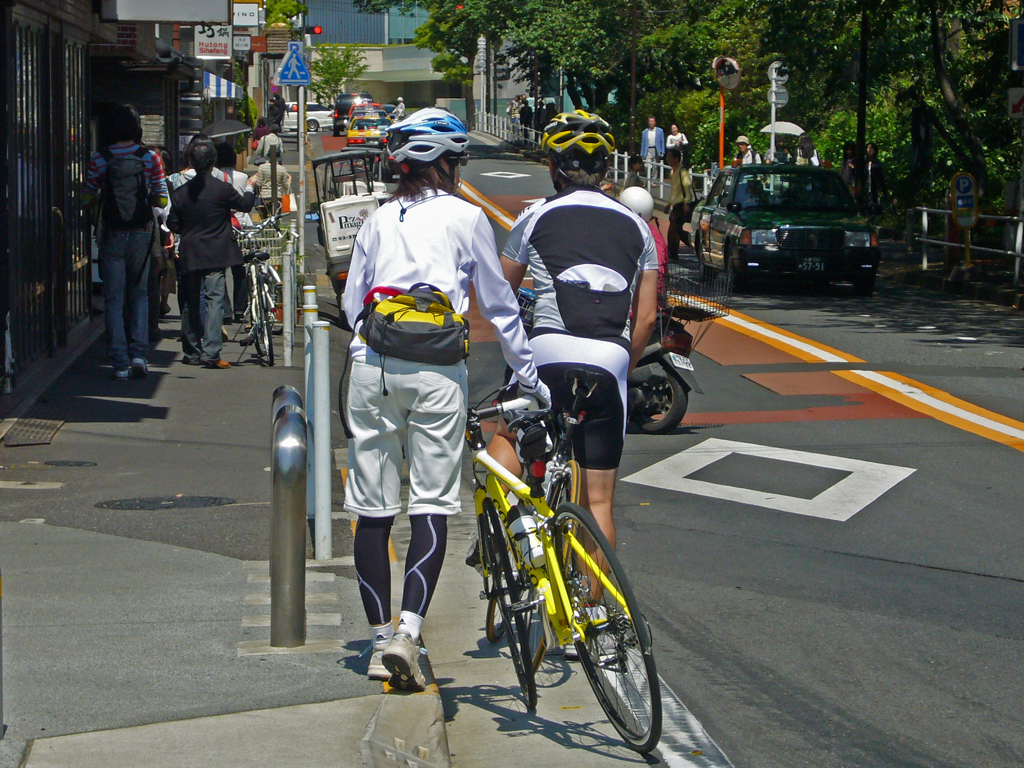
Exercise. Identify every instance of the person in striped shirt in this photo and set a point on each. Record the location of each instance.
(125, 232)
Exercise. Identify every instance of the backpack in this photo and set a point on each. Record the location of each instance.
(419, 325)
(125, 194)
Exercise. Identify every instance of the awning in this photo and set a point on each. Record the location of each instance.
(218, 88)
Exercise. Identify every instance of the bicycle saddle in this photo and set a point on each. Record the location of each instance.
(258, 256)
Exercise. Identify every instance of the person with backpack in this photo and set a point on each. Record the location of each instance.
(420, 250)
(126, 181)
(201, 213)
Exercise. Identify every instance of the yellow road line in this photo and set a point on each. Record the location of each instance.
(503, 217)
(919, 397)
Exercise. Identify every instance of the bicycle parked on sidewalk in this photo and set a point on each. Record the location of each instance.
(261, 280)
(551, 572)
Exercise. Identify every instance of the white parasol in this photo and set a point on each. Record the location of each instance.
(783, 126)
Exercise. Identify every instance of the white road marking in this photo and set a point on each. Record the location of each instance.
(806, 347)
(483, 202)
(34, 521)
(26, 485)
(866, 482)
(264, 648)
(506, 175)
(933, 402)
(311, 597)
(684, 742)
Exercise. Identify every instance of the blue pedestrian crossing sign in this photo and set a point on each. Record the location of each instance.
(1017, 44)
(293, 69)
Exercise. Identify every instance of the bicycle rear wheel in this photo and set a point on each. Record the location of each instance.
(264, 339)
(616, 652)
(510, 588)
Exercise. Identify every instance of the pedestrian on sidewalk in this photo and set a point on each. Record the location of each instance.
(270, 142)
(276, 110)
(745, 154)
(425, 234)
(526, 117)
(235, 301)
(127, 181)
(675, 138)
(679, 202)
(201, 213)
(652, 144)
(636, 164)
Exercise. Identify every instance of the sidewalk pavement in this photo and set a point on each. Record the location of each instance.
(134, 549)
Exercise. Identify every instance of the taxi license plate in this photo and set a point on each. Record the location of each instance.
(680, 362)
(812, 264)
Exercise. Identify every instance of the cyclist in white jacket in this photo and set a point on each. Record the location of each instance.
(423, 234)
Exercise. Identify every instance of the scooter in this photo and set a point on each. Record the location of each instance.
(660, 385)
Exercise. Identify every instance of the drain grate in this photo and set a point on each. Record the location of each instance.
(39, 426)
(165, 502)
(62, 463)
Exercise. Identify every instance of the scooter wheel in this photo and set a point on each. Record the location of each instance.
(665, 415)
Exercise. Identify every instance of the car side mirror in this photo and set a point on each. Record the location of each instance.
(734, 207)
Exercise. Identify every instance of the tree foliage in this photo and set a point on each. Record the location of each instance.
(332, 68)
(283, 11)
(936, 78)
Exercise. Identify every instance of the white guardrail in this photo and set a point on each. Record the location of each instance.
(1013, 236)
(657, 180)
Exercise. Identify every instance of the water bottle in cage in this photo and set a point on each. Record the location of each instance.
(523, 526)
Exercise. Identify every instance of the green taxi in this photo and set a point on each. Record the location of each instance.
(788, 221)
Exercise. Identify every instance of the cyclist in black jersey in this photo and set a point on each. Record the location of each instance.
(595, 272)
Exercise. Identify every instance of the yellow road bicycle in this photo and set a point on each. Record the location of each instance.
(550, 574)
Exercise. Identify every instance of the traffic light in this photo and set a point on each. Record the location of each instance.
(317, 30)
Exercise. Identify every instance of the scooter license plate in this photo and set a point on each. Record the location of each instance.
(680, 362)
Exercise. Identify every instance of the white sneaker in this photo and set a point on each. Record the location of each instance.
(377, 670)
(402, 660)
(140, 368)
(121, 374)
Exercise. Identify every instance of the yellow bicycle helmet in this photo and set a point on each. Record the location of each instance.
(578, 140)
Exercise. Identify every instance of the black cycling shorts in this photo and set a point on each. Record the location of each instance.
(597, 442)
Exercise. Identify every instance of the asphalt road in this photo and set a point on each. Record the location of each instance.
(831, 560)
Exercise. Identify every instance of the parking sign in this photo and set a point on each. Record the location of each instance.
(965, 203)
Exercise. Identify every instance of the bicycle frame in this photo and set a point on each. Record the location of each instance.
(547, 578)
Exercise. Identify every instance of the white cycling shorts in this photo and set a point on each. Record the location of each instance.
(424, 412)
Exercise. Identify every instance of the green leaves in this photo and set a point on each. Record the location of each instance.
(283, 11)
(332, 68)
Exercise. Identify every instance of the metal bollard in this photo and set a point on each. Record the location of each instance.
(284, 395)
(288, 530)
(309, 296)
(309, 316)
(321, 333)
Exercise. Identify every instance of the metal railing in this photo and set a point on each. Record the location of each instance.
(1014, 231)
(658, 177)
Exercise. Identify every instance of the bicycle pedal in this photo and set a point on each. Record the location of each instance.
(525, 605)
(484, 595)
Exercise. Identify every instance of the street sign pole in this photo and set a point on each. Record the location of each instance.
(301, 214)
(773, 131)
(721, 127)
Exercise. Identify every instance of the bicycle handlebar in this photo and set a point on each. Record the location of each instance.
(519, 404)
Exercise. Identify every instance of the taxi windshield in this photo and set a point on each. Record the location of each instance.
(792, 190)
(364, 125)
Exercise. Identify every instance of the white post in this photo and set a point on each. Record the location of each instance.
(321, 333)
(288, 291)
(300, 215)
(310, 315)
(924, 236)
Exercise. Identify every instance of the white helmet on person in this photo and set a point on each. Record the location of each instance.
(638, 200)
(426, 135)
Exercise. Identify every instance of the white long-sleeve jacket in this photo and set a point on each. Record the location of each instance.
(445, 241)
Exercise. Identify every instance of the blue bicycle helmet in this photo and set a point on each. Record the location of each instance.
(426, 135)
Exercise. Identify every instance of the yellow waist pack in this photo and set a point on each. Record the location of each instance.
(419, 325)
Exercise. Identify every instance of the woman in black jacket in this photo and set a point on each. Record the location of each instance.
(201, 215)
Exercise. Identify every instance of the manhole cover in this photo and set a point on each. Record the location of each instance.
(166, 502)
(71, 463)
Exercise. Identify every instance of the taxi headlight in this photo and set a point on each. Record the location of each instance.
(859, 239)
(761, 237)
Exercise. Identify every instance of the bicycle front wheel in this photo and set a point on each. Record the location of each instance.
(616, 652)
(512, 591)
(264, 340)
